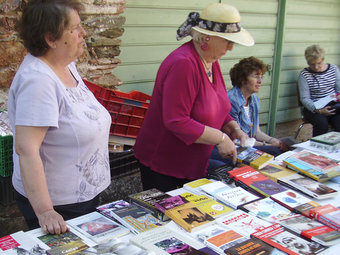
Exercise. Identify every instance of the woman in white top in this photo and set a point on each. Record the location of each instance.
(60, 130)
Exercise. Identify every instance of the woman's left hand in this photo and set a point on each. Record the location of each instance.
(275, 142)
(239, 134)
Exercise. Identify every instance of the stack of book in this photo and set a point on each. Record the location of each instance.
(253, 157)
(328, 142)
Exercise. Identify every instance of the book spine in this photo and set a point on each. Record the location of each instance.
(290, 166)
(329, 222)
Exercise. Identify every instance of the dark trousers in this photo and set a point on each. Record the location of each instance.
(151, 179)
(320, 122)
(68, 211)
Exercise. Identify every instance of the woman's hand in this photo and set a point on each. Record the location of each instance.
(52, 222)
(327, 111)
(227, 148)
(275, 142)
(237, 133)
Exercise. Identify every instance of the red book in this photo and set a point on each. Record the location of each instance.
(328, 215)
(287, 241)
(256, 181)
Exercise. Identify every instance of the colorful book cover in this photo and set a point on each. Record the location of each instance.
(327, 214)
(20, 243)
(208, 205)
(315, 166)
(287, 241)
(294, 201)
(184, 213)
(256, 181)
(268, 210)
(147, 199)
(311, 229)
(329, 141)
(195, 186)
(253, 246)
(235, 197)
(253, 157)
(308, 186)
(132, 216)
(275, 171)
(69, 248)
(219, 238)
(98, 227)
(242, 222)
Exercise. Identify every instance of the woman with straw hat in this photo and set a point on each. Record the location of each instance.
(189, 110)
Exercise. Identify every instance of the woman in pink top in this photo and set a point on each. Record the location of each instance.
(189, 110)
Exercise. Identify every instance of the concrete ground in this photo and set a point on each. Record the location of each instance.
(11, 219)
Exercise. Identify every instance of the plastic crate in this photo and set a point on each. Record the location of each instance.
(6, 155)
(127, 110)
(6, 191)
(123, 163)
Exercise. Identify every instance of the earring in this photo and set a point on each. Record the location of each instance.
(204, 46)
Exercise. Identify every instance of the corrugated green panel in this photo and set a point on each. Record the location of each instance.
(317, 7)
(323, 22)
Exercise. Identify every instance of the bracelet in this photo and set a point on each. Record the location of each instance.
(223, 138)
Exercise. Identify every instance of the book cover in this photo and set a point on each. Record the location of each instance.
(268, 210)
(253, 157)
(329, 141)
(219, 238)
(132, 216)
(195, 186)
(308, 186)
(253, 246)
(220, 174)
(184, 213)
(164, 241)
(327, 214)
(212, 188)
(275, 171)
(242, 222)
(208, 205)
(294, 201)
(256, 181)
(74, 247)
(20, 243)
(98, 227)
(315, 166)
(235, 197)
(287, 241)
(147, 199)
(311, 229)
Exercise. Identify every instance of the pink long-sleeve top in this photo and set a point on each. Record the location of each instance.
(183, 102)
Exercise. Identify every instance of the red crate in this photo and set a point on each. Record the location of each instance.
(127, 110)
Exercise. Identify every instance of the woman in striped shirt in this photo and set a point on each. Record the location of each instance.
(317, 81)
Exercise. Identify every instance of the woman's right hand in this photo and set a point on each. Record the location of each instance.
(327, 111)
(227, 148)
(52, 222)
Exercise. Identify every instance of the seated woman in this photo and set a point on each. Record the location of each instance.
(246, 78)
(315, 82)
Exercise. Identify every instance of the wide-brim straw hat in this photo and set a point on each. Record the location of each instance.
(222, 20)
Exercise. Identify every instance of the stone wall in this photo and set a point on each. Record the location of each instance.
(103, 22)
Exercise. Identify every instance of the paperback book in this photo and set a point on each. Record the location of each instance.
(268, 210)
(195, 186)
(288, 242)
(164, 241)
(253, 246)
(20, 243)
(275, 171)
(235, 197)
(212, 188)
(250, 178)
(219, 238)
(221, 173)
(327, 214)
(315, 166)
(312, 229)
(253, 157)
(136, 218)
(186, 214)
(308, 186)
(329, 142)
(212, 207)
(242, 222)
(147, 199)
(295, 202)
(98, 227)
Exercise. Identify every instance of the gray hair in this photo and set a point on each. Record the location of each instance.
(314, 52)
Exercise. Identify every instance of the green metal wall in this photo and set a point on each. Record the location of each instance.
(150, 31)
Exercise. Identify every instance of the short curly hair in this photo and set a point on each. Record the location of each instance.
(314, 52)
(45, 17)
(239, 72)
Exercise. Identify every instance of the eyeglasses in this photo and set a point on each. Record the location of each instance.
(257, 76)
